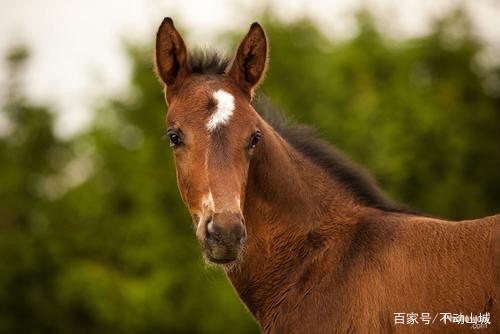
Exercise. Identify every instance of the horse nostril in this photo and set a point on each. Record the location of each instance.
(210, 228)
(226, 229)
(210, 225)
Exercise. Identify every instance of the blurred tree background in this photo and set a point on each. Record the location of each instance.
(94, 237)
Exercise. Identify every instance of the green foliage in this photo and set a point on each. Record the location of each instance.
(414, 112)
(94, 237)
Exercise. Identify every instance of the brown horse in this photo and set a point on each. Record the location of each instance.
(309, 242)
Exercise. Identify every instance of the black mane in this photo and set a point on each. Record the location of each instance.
(305, 140)
(206, 61)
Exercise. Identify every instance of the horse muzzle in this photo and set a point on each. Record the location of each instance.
(225, 235)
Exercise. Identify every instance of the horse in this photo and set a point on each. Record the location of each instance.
(307, 239)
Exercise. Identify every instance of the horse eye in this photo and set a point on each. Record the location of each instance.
(175, 139)
(255, 139)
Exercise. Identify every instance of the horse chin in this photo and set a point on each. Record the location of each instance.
(223, 261)
(228, 265)
(227, 261)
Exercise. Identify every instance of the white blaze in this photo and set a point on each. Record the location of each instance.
(225, 108)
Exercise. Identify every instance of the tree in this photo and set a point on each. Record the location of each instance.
(94, 237)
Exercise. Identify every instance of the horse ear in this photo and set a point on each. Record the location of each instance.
(171, 57)
(249, 64)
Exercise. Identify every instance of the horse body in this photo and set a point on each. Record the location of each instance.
(309, 242)
(313, 265)
(363, 273)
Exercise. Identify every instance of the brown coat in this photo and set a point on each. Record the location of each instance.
(308, 240)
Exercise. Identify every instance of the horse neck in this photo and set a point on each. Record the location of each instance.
(287, 199)
(285, 181)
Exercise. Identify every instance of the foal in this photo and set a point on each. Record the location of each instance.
(309, 242)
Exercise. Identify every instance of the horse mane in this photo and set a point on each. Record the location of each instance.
(208, 61)
(306, 140)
